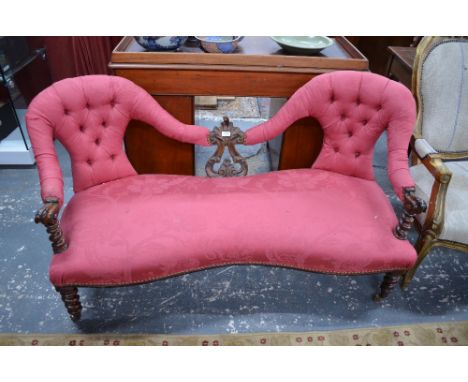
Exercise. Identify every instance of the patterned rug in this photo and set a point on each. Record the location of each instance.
(455, 333)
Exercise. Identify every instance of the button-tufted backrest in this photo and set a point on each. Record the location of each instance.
(353, 108)
(89, 115)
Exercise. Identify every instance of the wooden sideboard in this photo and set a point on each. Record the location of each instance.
(400, 64)
(259, 68)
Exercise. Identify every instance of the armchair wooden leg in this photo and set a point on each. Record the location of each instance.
(388, 283)
(423, 246)
(71, 300)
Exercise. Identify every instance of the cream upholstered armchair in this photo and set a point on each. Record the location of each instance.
(440, 144)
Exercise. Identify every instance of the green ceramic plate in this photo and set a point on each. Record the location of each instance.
(303, 44)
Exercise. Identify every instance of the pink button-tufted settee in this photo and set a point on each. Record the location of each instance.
(121, 228)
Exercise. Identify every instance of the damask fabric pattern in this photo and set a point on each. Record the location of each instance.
(353, 108)
(443, 334)
(89, 116)
(456, 202)
(444, 96)
(146, 227)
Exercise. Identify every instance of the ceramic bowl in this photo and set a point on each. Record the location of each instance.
(303, 44)
(160, 43)
(219, 44)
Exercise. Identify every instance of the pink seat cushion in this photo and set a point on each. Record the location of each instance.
(144, 227)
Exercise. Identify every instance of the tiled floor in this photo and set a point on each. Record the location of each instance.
(221, 300)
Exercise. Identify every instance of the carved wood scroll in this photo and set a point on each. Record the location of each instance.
(48, 215)
(226, 135)
(412, 205)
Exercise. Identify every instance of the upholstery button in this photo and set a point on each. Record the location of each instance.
(66, 111)
(358, 102)
(89, 161)
(357, 154)
(343, 117)
(350, 134)
(104, 124)
(365, 122)
(97, 141)
(379, 107)
(82, 129)
(112, 102)
(112, 156)
(336, 149)
(332, 98)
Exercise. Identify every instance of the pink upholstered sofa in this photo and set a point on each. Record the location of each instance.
(121, 228)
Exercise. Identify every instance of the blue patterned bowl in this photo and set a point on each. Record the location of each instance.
(219, 44)
(158, 43)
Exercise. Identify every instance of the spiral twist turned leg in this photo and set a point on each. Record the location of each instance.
(390, 280)
(71, 300)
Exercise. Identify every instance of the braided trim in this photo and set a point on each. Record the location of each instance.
(150, 279)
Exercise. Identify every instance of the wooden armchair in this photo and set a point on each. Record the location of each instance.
(440, 145)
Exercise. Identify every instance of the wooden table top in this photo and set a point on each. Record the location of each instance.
(256, 53)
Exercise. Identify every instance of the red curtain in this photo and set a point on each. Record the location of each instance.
(75, 56)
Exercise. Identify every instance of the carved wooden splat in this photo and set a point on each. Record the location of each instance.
(226, 135)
